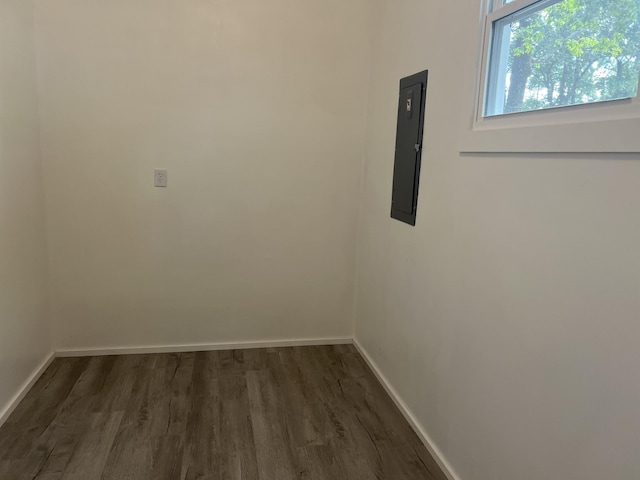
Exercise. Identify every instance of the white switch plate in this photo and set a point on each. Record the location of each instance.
(160, 177)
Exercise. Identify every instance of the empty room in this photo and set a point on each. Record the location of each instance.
(319, 240)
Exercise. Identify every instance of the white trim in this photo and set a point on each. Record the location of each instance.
(203, 347)
(24, 389)
(408, 414)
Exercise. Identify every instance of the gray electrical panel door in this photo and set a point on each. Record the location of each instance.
(406, 170)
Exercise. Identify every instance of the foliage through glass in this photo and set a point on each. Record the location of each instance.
(567, 53)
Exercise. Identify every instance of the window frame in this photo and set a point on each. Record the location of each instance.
(606, 126)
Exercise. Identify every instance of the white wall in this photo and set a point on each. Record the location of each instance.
(25, 339)
(258, 111)
(507, 319)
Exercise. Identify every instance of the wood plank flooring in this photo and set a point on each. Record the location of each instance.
(269, 414)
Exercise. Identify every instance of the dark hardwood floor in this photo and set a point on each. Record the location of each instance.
(269, 414)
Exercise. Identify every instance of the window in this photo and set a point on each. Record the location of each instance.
(551, 76)
(543, 54)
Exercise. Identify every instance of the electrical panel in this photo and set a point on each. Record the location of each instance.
(408, 155)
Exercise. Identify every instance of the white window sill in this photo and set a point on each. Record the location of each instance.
(611, 127)
(615, 135)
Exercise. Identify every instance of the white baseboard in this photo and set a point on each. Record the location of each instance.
(408, 414)
(204, 347)
(24, 389)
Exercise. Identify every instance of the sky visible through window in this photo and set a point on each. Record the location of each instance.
(571, 52)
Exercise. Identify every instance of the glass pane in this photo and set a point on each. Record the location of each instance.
(559, 53)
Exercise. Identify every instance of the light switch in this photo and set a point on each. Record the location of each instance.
(160, 177)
